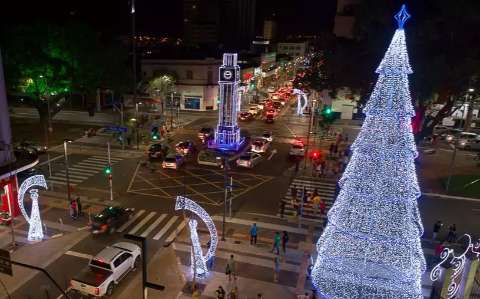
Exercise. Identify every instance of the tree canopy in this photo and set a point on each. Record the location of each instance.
(46, 60)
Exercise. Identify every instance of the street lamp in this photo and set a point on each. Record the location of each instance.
(471, 89)
(67, 176)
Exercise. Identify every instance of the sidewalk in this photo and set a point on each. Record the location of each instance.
(46, 252)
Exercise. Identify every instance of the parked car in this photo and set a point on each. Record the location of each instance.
(157, 150)
(249, 159)
(271, 89)
(267, 135)
(107, 269)
(253, 110)
(245, 116)
(269, 119)
(111, 218)
(260, 145)
(184, 147)
(29, 145)
(209, 158)
(450, 134)
(205, 134)
(173, 161)
(468, 141)
(297, 149)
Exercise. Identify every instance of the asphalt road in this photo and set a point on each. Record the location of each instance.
(255, 190)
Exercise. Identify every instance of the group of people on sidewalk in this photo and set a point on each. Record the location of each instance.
(450, 238)
(314, 198)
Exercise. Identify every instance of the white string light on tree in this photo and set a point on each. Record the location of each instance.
(371, 245)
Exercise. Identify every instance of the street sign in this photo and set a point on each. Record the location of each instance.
(116, 129)
(5, 262)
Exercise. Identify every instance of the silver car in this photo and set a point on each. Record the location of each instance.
(249, 159)
(468, 141)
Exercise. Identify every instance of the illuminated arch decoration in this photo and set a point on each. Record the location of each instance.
(300, 96)
(183, 203)
(35, 231)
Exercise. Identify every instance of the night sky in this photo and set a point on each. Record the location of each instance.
(161, 17)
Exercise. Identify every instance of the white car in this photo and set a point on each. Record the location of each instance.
(253, 110)
(173, 161)
(209, 158)
(271, 89)
(267, 135)
(260, 145)
(297, 150)
(468, 141)
(249, 160)
(107, 269)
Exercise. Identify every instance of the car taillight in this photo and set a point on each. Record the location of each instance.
(104, 227)
(97, 291)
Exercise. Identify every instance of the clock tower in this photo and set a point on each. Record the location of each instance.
(227, 134)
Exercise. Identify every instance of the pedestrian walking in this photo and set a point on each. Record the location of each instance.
(276, 243)
(335, 149)
(305, 195)
(233, 293)
(452, 233)
(285, 239)
(293, 192)
(323, 207)
(436, 229)
(79, 206)
(211, 261)
(230, 269)
(73, 209)
(282, 208)
(276, 268)
(330, 149)
(313, 295)
(316, 203)
(253, 234)
(220, 292)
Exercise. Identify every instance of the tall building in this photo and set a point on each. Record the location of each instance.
(223, 23)
(345, 18)
(269, 30)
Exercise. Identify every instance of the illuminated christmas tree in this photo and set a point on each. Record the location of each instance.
(371, 245)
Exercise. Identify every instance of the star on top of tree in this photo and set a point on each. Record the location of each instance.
(402, 16)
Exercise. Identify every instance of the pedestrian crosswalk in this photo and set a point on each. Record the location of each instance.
(81, 171)
(324, 188)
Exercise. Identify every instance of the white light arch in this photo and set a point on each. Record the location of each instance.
(35, 231)
(184, 203)
(300, 95)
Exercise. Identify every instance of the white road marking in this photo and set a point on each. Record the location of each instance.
(172, 235)
(142, 223)
(65, 179)
(82, 170)
(89, 166)
(111, 158)
(153, 225)
(165, 228)
(60, 183)
(79, 254)
(126, 224)
(75, 174)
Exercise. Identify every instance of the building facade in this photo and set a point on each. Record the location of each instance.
(195, 80)
(226, 23)
(294, 49)
(345, 18)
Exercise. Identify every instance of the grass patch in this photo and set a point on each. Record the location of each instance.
(463, 185)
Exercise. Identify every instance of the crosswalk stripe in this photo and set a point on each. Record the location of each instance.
(165, 228)
(99, 160)
(82, 170)
(127, 224)
(314, 184)
(93, 162)
(177, 230)
(90, 166)
(65, 179)
(60, 182)
(272, 226)
(74, 174)
(153, 225)
(142, 223)
(111, 158)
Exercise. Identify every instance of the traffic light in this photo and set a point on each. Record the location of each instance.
(327, 110)
(108, 170)
(155, 134)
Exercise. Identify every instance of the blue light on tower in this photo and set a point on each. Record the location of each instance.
(227, 134)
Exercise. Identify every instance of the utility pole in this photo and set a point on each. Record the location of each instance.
(307, 146)
(67, 175)
(225, 182)
(134, 69)
(110, 183)
(450, 168)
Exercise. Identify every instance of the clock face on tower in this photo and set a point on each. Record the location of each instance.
(227, 74)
